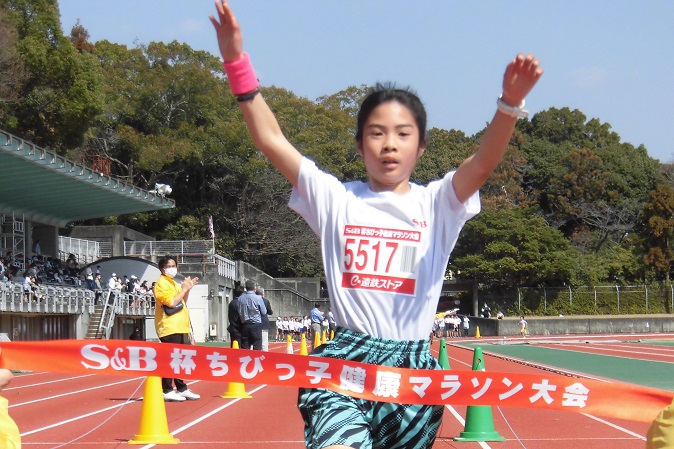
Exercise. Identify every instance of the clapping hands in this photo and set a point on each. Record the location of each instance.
(188, 283)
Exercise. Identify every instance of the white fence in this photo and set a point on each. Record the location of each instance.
(85, 251)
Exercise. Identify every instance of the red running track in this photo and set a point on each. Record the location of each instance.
(85, 412)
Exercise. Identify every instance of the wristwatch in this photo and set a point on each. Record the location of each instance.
(512, 111)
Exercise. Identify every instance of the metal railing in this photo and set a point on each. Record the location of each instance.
(51, 299)
(85, 251)
(600, 299)
(226, 267)
(173, 247)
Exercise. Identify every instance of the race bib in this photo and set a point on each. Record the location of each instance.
(380, 259)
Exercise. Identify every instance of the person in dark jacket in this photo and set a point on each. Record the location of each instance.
(233, 317)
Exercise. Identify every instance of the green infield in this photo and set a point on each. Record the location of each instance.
(640, 372)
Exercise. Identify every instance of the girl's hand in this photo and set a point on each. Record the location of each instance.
(228, 31)
(520, 77)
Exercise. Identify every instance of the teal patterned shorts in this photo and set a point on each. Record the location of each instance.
(333, 418)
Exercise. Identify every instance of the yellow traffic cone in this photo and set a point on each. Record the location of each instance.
(303, 345)
(477, 332)
(289, 345)
(324, 337)
(153, 422)
(235, 389)
(332, 335)
(317, 339)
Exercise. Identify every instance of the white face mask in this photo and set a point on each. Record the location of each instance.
(171, 271)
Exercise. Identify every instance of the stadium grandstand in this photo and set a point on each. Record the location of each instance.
(57, 287)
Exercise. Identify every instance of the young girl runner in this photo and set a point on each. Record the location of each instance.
(385, 243)
(523, 327)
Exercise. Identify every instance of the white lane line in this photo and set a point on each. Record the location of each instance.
(620, 351)
(75, 392)
(615, 426)
(76, 418)
(461, 421)
(207, 415)
(87, 415)
(48, 382)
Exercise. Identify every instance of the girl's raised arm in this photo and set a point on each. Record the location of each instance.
(260, 120)
(520, 77)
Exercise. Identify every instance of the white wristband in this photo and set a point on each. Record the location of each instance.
(512, 111)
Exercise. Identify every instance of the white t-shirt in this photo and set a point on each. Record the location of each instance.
(384, 254)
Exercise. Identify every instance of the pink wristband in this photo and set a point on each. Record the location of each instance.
(241, 75)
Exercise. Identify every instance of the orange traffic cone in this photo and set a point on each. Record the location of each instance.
(289, 345)
(479, 421)
(317, 339)
(303, 345)
(153, 422)
(235, 389)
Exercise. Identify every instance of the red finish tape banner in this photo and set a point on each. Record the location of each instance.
(371, 382)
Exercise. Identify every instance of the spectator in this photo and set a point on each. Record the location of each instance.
(37, 250)
(98, 288)
(234, 327)
(143, 294)
(500, 315)
(27, 289)
(316, 321)
(251, 309)
(332, 325)
(466, 325)
(72, 265)
(660, 434)
(172, 320)
(10, 437)
(279, 329)
(486, 311)
(136, 335)
(265, 319)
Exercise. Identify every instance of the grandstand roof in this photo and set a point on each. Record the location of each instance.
(50, 189)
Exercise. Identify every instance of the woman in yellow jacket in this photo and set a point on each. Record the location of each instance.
(172, 320)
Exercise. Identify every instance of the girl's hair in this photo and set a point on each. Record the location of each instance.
(385, 92)
(165, 260)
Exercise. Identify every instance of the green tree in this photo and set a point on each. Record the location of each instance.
(12, 72)
(445, 150)
(512, 247)
(63, 91)
(658, 221)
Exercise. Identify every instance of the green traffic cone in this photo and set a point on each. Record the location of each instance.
(442, 356)
(478, 361)
(479, 420)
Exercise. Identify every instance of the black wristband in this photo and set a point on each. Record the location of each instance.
(247, 97)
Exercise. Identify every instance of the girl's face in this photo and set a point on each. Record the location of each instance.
(390, 147)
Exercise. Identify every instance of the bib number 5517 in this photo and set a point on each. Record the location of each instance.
(364, 254)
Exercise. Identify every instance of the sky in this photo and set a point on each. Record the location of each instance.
(613, 60)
